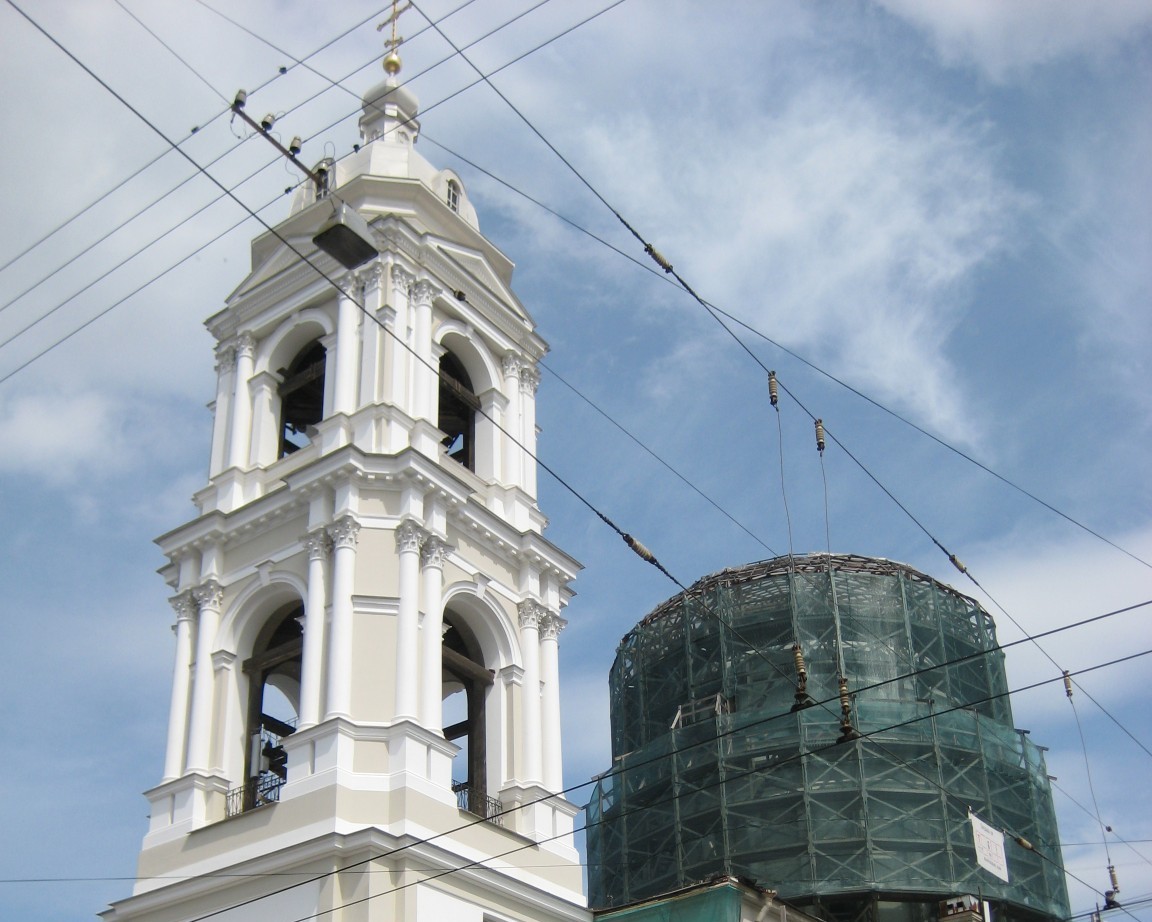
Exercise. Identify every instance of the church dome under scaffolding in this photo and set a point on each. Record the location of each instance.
(738, 750)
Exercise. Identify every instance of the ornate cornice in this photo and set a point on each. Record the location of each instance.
(433, 551)
(344, 531)
(551, 624)
(209, 595)
(317, 543)
(409, 536)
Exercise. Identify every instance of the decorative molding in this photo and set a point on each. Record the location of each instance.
(209, 595)
(223, 659)
(344, 531)
(433, 551)
(551, 624)
(318, 543)
(531, 612)
(184, 605)
(409, 537)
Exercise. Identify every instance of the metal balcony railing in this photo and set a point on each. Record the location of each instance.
(478, 802)
(257, 793)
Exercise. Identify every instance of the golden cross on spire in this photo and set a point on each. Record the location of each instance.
(392, 59)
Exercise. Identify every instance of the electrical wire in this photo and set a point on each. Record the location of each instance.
(627, 538)
(275, 160)
(480, 863)
(669, 270)
(143, 25)
(133, 175)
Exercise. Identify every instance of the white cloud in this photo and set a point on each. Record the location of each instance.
(850, 226)
(1002, 38)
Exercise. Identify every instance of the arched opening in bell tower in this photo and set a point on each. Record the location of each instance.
(457, 414)
(273, 673)
(465, 693)
(301, 398)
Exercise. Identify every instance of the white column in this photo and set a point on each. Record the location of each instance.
(432, 556)
(241, 402)
(222, 412)
(343, 533)
(185, 607)
(312, 659)
(209, 596)
(409, 538)
(425, 387)
(530, 613)
(371, 367)
(529, 381)
(512, 453)
(347, 344)
(401, 360)
(265, 435)
(550, 627)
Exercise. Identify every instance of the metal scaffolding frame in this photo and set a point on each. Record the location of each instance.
(714, 770)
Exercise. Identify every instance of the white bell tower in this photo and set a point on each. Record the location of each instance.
(365, 718)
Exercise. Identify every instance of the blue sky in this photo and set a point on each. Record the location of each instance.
(944, 204)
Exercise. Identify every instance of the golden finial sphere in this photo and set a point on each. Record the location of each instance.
(392, 63)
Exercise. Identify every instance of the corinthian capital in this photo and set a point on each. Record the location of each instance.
(423, 292)
(433, 551)
(184, 605)
(530, 613)
(551, 624)
(225, 358)
(351, 285)
(318, 544)
(402, 278)
(529, 379)
(510, 365)
(245, 345)
(409, 536)
(344, 531)
(209, 595)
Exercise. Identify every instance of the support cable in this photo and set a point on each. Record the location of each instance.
(480, 863)
(172, 51)
(127, 179)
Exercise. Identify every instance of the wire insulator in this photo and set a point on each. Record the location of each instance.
(957, 564)
(1025, 844)
(798, 659)
(639, 548)
(820, 436)
(658, 257)
(1112, 877)
(773, 390)
(1067, 684)
(845, 700)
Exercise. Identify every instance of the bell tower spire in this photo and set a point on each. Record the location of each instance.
(367, 611)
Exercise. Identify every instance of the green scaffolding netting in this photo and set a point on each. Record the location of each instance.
(714, 772)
